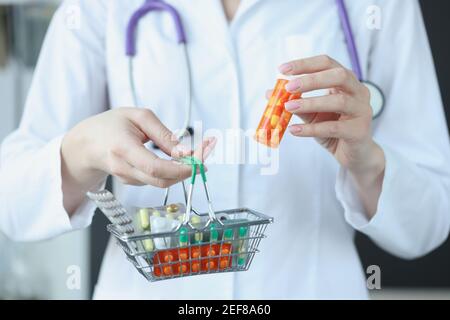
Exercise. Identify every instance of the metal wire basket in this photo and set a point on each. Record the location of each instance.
(196, 244)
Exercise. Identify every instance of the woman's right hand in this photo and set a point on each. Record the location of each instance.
(112, 143)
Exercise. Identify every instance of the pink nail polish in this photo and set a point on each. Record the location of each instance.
(183, 149)
(293, 86)
(291, 105)
(285, 68)
(295, 129)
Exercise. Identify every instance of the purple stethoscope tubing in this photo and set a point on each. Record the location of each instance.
(130, 49)
(377, 100)
(349, 38)
(377, 97)
(146, 8)
(157, 5)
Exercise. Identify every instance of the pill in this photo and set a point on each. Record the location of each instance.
(195, 253)
(156, 213)
(148, 245)
(167, 270)
(183, 268)
(144, 218)
(195, 266)
(274, 118)
(173, 208)
(168, 257)
(224, 263)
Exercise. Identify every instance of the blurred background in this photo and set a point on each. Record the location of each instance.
(32, 271)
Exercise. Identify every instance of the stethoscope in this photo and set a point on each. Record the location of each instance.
(377, 98)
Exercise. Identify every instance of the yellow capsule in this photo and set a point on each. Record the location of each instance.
(156, 213)
(268, 113)
(148, 245)
(274, 120)
(144, 218)
(195, 219)
(198, 237)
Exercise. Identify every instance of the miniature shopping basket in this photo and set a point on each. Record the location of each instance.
(173, 241)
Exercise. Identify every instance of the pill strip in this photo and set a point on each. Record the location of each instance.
(113, 210)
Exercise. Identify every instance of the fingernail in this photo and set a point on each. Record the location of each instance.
(184, 150)
(292, 105)
(293, 85)
(295, 129)
(285, 68)
(212, 140)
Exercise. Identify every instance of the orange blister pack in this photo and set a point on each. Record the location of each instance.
(276, 118)
(204, 258)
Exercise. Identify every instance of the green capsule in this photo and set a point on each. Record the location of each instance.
(184, 237)
(214, 233)
(228, 234)
(243, 232)
(242, 257)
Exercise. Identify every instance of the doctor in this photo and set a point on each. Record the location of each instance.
(388, 178)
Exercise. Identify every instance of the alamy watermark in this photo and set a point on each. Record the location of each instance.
(73, 280)
(374, 17)
(373, 281)
(72, 17)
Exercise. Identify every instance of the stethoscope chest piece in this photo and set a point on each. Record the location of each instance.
(377, 100)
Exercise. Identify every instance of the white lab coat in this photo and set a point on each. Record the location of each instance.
(310, 251)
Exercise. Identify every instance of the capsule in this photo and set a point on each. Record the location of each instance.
(148, 245)
(195, 265)
(198, 235)
(183, 268)
(184, 237)
(144, 218)
(276, 118)
(224, 263)
(184, 254)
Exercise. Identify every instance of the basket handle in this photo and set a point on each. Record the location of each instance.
(197, 164)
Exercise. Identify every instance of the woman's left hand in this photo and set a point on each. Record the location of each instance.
(341, 121)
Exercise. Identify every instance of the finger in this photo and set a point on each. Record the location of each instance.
(327, 129)
(309, 65)
(334, 78)
(128, 174)
(337, 103)
(205, 149)
(147, 162)
(157, 132)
